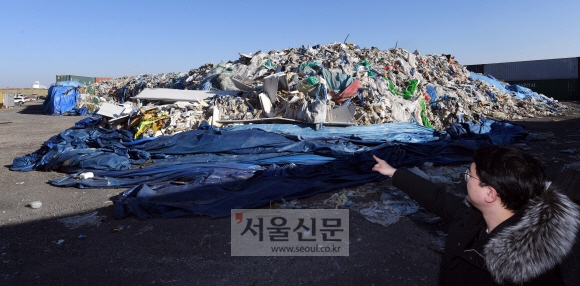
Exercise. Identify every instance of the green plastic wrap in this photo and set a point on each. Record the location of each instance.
(409, 91)
(423, 106)
(312, 80)
(312, 65)
(366, 64)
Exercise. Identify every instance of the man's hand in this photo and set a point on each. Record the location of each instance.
(383, 167)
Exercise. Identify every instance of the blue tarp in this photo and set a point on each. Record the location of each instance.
(401, 132)
(288, 182)
(519, 92)
(61, 97)
(208, 172)
(489, 79)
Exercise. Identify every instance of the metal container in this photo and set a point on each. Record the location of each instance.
(82, 79)
(8, 100)
(560, 89)
(63, 78)
(566, 68)
(475, 68)
(99, 79)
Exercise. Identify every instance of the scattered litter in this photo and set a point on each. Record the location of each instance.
(376, 213)
(568, 151)
(20, 183)
(572, 167)
(82, 236)
(144, 229)
(86, 175)
(82, 220)
(522, 146)
(518, 145)
(433, 220)
(338, 200)
(542, 136)
(60, 241)
(35, 204)
(439, 175)
(392, 206)
(289, 205)
(362, 192)
(118, 228)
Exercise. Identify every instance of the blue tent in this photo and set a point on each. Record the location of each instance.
(62, 97)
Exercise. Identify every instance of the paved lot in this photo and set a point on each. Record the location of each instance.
(37, 248)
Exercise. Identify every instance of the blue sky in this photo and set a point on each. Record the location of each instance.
(41, 39)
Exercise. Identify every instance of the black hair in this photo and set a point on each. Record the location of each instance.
(516, 176)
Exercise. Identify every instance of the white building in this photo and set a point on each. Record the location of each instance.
(37, 85)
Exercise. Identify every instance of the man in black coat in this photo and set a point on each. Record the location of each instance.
(512, 228)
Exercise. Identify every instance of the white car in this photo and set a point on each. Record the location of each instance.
(19, 100)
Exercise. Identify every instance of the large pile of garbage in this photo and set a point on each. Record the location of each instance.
(308, 83)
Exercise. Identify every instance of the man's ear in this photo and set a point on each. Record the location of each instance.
(491, 195)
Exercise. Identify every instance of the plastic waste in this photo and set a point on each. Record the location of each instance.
(86, 175)
(35, 204)
(391, 78)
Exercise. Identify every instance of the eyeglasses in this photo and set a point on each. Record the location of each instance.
(466, 176)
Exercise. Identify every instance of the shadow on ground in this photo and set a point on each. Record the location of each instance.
(196, 251)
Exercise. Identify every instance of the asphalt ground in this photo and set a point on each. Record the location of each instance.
(38, 247)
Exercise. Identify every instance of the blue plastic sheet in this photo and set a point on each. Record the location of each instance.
(496, 132)
(489, 79)
(60, 99)
(519, 92)
(491, 95)
(235, 143)
(276, 183)
(72, 140)
(116, 150)
(87, 122)
(208, 172)
(217, 200)
(432, 93)
(401, 132)
(68, 83)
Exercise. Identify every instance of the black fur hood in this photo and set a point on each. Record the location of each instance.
(538, 242)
